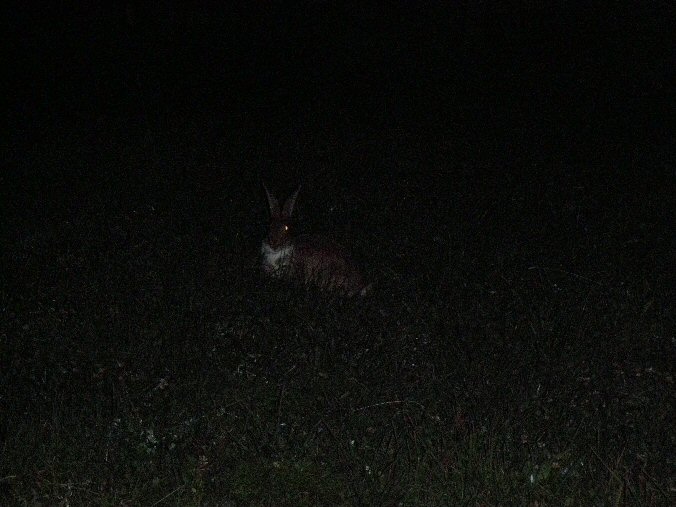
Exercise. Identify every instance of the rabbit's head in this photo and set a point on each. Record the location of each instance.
(279, 234)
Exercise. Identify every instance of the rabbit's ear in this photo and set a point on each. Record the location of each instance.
(273, 203)
(287, 210)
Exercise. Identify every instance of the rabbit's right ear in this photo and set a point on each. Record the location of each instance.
(287, 210)
(273, 203)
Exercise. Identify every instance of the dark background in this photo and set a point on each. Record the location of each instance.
(518, 82)
(591, 70)
(502, 171)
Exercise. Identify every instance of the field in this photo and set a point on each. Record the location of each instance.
(517, 348)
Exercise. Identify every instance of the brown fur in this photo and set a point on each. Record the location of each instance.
(313, 260)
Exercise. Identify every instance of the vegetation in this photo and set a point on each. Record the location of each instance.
(517, 348)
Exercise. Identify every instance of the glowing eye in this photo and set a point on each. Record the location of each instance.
(286, 227)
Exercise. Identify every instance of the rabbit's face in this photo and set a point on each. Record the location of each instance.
(279, 234)
(280, 226)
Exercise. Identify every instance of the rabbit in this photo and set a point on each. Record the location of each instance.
(310, 259)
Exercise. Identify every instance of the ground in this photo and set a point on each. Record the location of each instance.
(517, 348)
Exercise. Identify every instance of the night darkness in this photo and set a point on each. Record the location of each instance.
(499, 176)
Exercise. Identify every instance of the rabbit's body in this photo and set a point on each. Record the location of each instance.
(309, 259)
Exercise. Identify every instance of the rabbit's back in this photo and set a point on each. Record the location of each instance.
(319, 261)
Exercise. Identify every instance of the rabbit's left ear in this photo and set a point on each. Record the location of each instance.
(287, 210)
(273, 203)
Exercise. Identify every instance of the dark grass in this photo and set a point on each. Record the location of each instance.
(517, 349)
